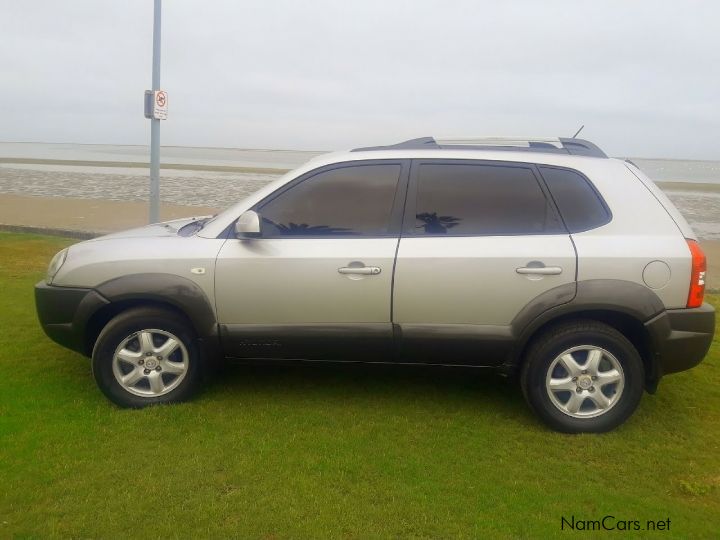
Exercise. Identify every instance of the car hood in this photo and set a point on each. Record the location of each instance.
(166, 228)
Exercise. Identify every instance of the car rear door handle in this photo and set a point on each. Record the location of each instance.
(539, 270)
(361, 270)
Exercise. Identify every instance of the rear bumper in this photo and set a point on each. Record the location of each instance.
(64, 311)
(681, 338)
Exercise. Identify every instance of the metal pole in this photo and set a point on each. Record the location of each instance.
(155, 124)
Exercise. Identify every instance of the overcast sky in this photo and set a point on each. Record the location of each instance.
(643, 76)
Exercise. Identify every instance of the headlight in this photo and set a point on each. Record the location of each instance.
(55, 264)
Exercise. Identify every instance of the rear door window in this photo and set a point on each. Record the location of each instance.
(467, 199)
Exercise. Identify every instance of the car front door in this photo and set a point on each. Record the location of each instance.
(481, 240)
(317, 283)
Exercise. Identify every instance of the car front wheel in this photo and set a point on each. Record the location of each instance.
(146, 356)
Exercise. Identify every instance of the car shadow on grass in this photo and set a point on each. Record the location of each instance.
(474, 389)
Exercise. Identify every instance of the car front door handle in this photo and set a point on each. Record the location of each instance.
(360, 270)
(539, 270)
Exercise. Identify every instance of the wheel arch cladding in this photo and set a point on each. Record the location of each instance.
(624, 305)
(164, 290)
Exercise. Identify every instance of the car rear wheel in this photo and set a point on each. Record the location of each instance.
(583, 376)
(146, 356)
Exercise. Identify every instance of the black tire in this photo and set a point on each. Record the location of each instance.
(563, 337)
(128, 323)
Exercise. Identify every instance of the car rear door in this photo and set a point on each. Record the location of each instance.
(481, 240)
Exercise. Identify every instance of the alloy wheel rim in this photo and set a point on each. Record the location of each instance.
(585, 381)
(150, 363)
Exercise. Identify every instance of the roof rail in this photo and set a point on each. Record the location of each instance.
(411, 144)
(522, 142)
(557, 145)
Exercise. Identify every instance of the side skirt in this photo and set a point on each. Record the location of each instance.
(336, 342)
(445, 345)
(454, 344)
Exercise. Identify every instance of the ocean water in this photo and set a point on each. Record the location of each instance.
(237, 157)
(701, 207)
(680, 170)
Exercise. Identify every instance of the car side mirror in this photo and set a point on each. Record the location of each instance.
(248, 225)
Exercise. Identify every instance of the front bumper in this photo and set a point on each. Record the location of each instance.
(681, 338)
(64, 312)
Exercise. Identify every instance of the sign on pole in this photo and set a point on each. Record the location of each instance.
(156, 104)
(161, 105)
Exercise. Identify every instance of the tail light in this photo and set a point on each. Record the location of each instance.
(697, 275)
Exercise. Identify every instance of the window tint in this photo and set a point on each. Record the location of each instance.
(462, 199)
(579, 204)
(348, 201)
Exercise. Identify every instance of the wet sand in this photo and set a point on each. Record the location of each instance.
(712, 251)
(689, 186)
(101, 216)
(212, 189)
(143, 165)
(195, 185)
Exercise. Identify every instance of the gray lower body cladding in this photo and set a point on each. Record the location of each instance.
(68, 314)
(680, 337)
(64, 313)
(450, 344)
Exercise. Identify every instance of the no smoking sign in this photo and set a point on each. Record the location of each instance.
(156, 104)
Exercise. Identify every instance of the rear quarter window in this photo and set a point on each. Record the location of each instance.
(579, 203)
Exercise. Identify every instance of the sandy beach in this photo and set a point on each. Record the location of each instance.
(86, 215)
(102, 216)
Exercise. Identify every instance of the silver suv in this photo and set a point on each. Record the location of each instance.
(541, 257)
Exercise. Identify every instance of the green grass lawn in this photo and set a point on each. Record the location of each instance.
(343, 451)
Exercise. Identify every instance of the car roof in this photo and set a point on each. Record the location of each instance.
(550, 150)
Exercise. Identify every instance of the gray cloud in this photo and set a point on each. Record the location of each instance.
(643, 76)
